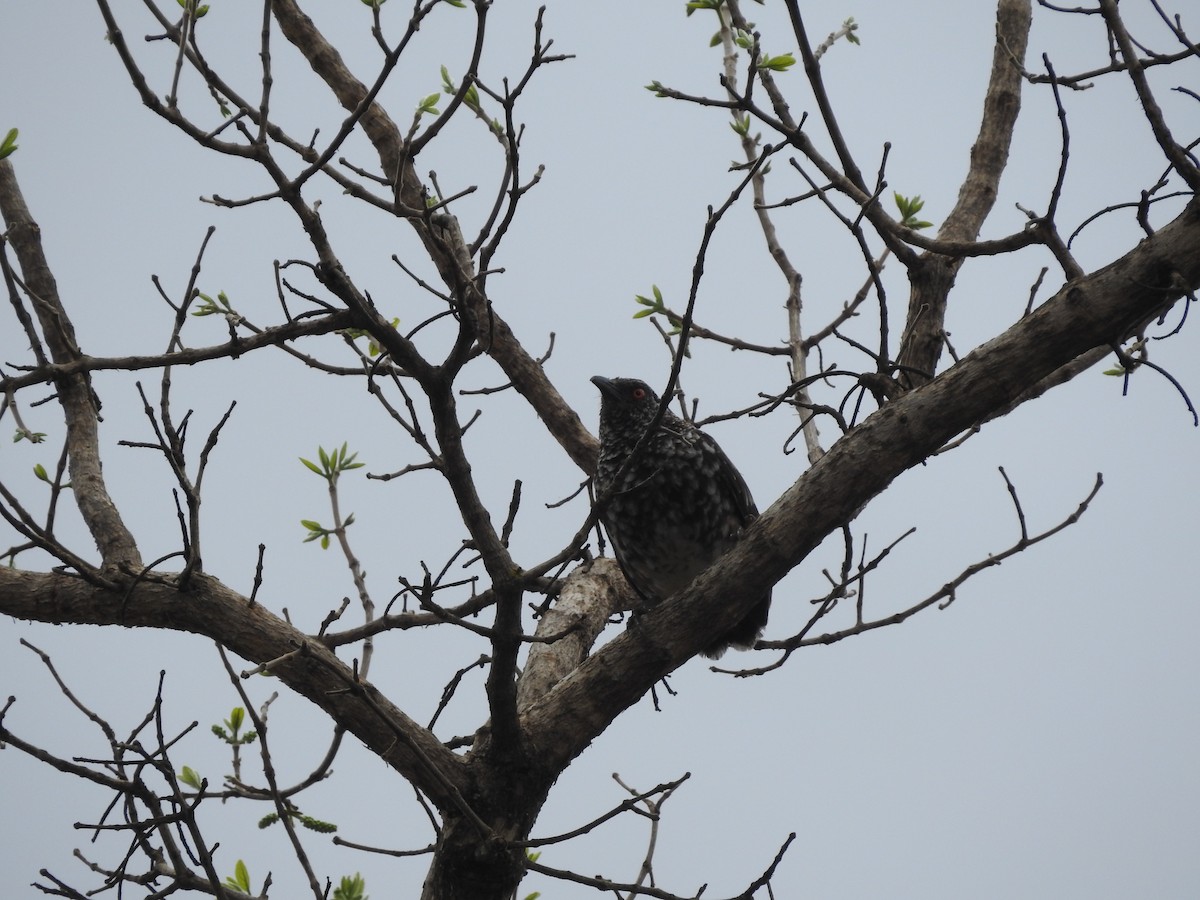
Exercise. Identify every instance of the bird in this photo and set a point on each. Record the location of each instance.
(678, 507)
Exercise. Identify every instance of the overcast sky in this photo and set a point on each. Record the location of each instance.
(1036, 739)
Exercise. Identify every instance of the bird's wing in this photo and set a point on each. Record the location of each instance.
(732, 480)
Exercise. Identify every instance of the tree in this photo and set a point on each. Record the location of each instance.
(432, 342)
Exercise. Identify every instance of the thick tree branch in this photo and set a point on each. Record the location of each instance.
(210, 608)
(114, 541)
(1093, 311)
(590, 596)
(933, 276)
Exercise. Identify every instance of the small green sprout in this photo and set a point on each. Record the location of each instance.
(240, 879)
(353, 887)
(909, 207)
(229, 734)
(210, 307)
(780, 63)
(373, 347)
(333, 464)
(195, 11)
(850, 26)
(9, 145)
(471, 97)
(656, 306)
(294, 814)
(429, 105)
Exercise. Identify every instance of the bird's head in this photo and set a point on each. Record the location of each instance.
(625, 401)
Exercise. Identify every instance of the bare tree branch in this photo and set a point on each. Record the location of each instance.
(114, 541)
(933, 276)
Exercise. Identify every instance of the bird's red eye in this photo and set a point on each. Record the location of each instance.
(638, 393)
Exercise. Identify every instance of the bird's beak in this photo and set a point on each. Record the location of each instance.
(606, 386)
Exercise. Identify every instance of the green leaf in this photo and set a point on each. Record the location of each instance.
(908, 208)
(429, 104)
(470, 96)
(909, 205)
(189, 777)
(210, 307)
(240, 879)
(236, 717)
(851, 26)
(198, 12)
(40, 472)
(9, 145)
(654, 306)
(317, 825)
(352, 887)
(780, 63)
(312, 466)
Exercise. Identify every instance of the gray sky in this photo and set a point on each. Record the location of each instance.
(1036, 739)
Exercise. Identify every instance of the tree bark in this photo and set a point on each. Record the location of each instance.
(1088, 312)
(80, 406)
(932, 277)
(207, 607)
